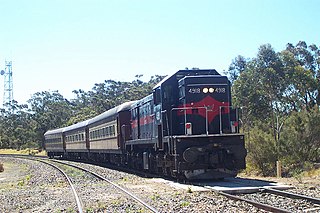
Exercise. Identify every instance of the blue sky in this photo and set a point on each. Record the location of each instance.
(66, 45)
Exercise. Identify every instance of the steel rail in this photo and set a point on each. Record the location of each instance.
(254, 203)
(79, 205)
(115, 185)
(28, 157)
(291, 195)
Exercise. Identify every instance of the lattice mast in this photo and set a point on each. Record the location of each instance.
(8, 84)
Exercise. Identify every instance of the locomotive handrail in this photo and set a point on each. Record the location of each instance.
(220, 115)
(208, 109)
(188, 108)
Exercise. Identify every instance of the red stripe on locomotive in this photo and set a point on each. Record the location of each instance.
(213, 108)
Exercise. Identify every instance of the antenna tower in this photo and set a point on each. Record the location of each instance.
(8, 85)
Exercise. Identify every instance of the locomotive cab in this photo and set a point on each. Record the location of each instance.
(205, 106)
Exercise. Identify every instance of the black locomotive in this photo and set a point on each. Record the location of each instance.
(187, 128)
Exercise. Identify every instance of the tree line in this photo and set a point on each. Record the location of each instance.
(23, 125)
(278, 92)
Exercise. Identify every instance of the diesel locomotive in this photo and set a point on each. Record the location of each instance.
(187, 128)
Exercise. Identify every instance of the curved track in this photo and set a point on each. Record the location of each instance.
(113, 184)
(79, 204)
(276, 205)
(76, 196)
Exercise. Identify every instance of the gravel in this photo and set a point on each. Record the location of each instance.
(292, 205)
(166, 198)
(28, 186)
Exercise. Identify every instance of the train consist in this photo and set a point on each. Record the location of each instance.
(187, 128)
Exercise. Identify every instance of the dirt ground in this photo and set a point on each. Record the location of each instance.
(12, 173)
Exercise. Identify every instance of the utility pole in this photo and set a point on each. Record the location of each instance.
(8, 84)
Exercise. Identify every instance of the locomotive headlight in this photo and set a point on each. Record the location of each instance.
(205, 90)
(211, 90)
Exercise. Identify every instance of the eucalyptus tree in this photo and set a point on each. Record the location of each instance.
(17, 127)
(306, 75)
(109, 94)
(237, 66)
(279, 90)
(49, 110)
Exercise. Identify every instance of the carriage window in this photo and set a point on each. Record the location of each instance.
(112, 130)
(107, 131)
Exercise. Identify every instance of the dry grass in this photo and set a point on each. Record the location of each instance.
(313, 173)
(23, 152)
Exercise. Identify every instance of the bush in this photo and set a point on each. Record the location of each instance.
(297, 145)
(300, 142)
(262, 152)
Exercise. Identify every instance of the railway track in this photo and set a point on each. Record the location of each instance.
(134, 197)
(273, 200)
(76, 196)
(261, 198)
(265, 195)
(78, 201)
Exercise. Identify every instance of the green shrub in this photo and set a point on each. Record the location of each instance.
(295, 143)
(262, 152)
(300, 142)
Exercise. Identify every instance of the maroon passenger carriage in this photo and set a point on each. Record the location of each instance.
(186, 129)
